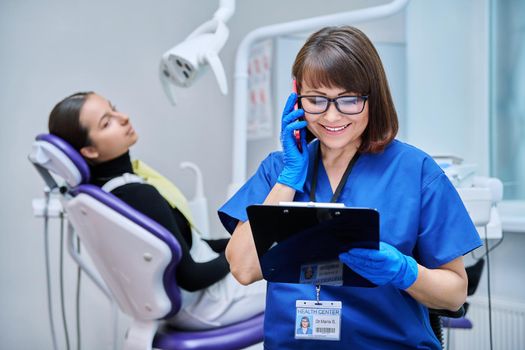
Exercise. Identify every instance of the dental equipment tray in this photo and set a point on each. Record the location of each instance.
(301, 243)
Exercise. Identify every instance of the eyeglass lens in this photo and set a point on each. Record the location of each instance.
(344, 104)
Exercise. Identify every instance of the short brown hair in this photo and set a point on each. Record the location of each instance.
(344, 57)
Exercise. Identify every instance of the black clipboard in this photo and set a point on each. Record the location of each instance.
(301, 244)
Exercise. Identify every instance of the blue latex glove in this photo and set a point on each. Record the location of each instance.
(295, 162)
(386, 265)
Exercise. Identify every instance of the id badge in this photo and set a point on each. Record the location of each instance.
(319, 320)
(326, 273)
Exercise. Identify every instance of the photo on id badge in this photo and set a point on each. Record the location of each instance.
(304, 326)
(308, 274)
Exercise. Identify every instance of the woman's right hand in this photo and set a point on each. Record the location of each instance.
(295, 161)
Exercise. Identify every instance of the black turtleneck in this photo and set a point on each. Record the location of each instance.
(145, 198)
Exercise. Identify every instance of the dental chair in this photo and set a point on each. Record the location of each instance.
(440, 319)
(135, 257)
(437, 317)
(474, 276)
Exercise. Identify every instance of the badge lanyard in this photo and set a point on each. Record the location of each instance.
(316, 319)
(342, 183)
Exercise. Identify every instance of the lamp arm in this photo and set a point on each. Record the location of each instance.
(220, 17)
(225, 11)
(208, 27)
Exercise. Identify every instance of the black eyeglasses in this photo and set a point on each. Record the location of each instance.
(344, 104)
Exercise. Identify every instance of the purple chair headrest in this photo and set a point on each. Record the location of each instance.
(70, 152)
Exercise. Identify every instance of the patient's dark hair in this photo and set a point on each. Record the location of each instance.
(344, 57)
(64, 120)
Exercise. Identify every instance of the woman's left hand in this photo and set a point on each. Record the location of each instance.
(386, 265)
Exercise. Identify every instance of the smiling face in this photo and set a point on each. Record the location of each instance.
(305, 323)
(335, 130)
(343, 60)
(110, 132)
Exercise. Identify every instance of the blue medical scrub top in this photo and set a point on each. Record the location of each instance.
(421, 214)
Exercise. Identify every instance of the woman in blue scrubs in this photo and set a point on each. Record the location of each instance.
(345, 102)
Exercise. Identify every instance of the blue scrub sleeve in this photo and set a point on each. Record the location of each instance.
(254, 191)
(446, 231)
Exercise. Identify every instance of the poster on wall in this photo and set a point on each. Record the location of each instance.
(260, 114)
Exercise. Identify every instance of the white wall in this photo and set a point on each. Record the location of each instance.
(448, 76)
(51, 49)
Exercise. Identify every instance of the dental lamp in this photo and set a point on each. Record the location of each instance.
(186, 62)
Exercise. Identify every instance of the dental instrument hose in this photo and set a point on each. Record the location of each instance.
(48, 273)
(62, 304)
(79, 274)
(487, 251)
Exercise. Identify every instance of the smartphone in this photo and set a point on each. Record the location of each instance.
(297, 133)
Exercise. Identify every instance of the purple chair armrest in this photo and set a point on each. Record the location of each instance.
(236, 336)
(461, 322)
